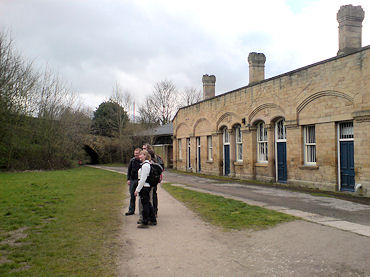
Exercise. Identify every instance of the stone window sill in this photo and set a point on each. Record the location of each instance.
(261, 164)
(309, 167)
(238, 163)
(209, 161)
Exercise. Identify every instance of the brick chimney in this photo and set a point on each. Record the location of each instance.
(350, 28)
(208, 86)
(256, 67)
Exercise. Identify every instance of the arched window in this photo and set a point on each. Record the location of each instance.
(280, 130)
(262, 147)
(238, 143)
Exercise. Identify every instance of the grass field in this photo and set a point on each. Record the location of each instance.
(60, 223)
(227, 213)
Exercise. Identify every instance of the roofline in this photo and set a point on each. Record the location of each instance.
(278, 76)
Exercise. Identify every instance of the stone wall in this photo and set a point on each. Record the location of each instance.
(322, 94)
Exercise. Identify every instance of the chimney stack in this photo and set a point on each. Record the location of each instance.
(350, 28)
(208, 86)
(256, 67)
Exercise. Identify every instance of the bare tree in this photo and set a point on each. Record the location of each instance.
(40, 127)
(122, 97)
(54, 95)
(190, 96)
(161, 105)
(61, 124)
(17, 98)
(17, 80)
(147, 116)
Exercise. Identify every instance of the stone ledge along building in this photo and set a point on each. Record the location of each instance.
(309, 127)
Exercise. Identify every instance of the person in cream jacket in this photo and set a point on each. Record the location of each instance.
(143, 190)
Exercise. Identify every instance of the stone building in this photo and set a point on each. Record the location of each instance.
(309, 127)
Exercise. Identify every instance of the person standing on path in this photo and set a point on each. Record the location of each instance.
(132, 179)
(143, 190)
(157, 159)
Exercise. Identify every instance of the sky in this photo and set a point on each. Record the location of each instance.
(95, 44)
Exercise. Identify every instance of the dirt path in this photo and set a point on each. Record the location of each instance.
(183, 245)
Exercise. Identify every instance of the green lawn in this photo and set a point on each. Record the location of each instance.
(227, 213)
(60, 223)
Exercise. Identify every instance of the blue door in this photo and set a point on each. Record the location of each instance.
(347, 166)
(188, 153)
(227, 159)
(199, 167)
(281, 161)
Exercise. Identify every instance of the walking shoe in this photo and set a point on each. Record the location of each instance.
(139, 221)
(143, 226)
(129, 213)
(152, 223)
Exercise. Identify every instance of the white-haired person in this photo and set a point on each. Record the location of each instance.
(143, 190)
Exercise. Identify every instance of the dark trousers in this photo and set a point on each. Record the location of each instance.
(155, 200)
(148, 212)
(133, 185)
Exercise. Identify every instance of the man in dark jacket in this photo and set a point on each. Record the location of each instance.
(132, 179)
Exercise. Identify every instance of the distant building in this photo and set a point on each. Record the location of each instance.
(309, 127)
(161, 139)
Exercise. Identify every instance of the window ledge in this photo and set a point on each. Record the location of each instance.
(261, 164)
(309, 167)
(238, 163)
(209, 161)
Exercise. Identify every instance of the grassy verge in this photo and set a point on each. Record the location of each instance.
(227, 213)
(213, 177)
(312, 191)
(60, 223)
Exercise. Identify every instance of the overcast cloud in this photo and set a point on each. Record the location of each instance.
(95, 43)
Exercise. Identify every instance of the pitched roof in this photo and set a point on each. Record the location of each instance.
(164, 130)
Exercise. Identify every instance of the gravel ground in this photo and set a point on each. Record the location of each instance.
(184, 245)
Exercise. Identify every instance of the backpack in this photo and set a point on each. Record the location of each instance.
(159, 160)
(154, 175)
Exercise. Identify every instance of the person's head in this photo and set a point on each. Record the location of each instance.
(137, 153)
(144, 155)
(147, 146)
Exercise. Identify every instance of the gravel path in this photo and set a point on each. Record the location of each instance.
(184, 245)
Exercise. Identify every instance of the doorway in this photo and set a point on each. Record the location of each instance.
(198, 155)
(280, 152)
(226, 148)
(346, 156)
(188, 162)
